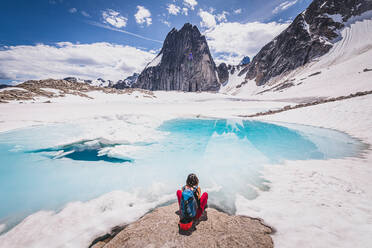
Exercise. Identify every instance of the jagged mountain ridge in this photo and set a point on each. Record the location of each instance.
(310, 36)
(126, 83)
(100, 82)
(184, 64)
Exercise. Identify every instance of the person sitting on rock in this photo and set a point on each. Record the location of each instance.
(191, 202)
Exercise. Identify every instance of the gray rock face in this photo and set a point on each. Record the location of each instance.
(126, 83)
(216, 229)
(309, 36)
(175, 69)
(71, 79)
(223, 73)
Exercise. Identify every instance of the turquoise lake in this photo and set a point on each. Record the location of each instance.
(228, 156)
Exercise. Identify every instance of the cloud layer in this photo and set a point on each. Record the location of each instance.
(230, 41)
(87, 61)
(208, 19)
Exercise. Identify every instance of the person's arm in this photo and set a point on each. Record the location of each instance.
(198, 190)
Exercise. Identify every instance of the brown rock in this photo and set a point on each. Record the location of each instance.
(34, 88)
(99, 244)
(215, 229)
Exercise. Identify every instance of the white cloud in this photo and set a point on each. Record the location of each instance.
(229, 42)
(173, 9)
(212, 10)
(283, 6)
(87, 61)
(222, 17)
(208, 20)
(165, 22)
(114, 18)
(185, 11)
(84, 13)
(238, 11)
(143, 15)
(190, 3)
(72, 10)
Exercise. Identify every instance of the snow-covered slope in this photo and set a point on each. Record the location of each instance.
(235, 79)
(343, 70)
(101, 82)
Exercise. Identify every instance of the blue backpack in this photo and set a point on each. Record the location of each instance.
(189, 204)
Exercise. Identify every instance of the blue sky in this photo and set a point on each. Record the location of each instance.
(87, 27)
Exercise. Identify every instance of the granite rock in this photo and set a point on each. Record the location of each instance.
(183, 64)
(215, 229)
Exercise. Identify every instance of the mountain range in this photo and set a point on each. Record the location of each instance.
(185, 62)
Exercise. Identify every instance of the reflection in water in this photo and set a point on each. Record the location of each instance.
(273, 141)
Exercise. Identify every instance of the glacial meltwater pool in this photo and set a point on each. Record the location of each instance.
(40, 172)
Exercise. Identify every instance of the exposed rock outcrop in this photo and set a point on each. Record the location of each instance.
(126, 83)
(60, 88)
(223, 73)
(71, 79)
(184, 64)
(311, 35)
(216, 229)
(97, 82)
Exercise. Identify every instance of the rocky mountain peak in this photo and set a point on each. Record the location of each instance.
(126, 83)
(184, 63)
(310, 35)
(246, 60)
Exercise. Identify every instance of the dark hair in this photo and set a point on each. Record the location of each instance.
(192, 180)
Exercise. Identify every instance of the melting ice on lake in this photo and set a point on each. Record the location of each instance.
(227, 156)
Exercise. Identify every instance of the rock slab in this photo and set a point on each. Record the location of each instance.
(215, 229)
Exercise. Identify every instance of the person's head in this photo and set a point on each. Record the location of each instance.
(192, 180)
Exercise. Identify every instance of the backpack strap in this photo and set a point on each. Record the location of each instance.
(195, 191)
